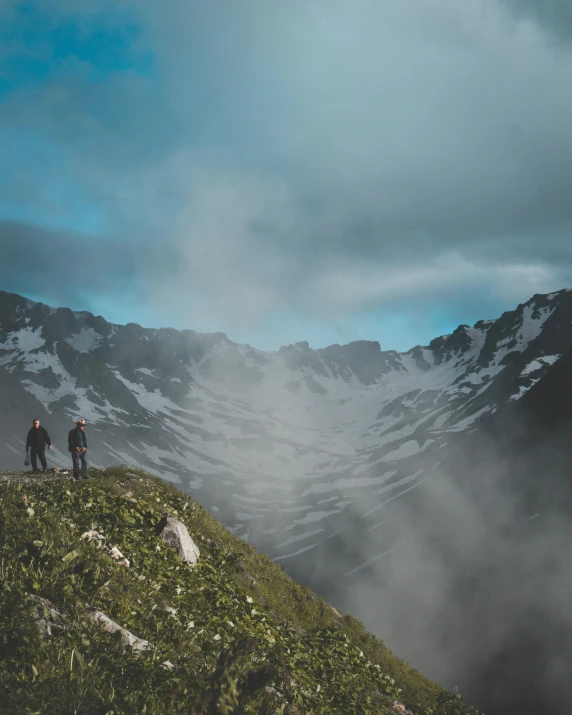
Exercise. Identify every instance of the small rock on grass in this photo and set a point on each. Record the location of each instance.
(46, 615)
(107, 546)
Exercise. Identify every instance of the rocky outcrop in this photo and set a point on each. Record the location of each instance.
(175, 533)
(26, 478)
(46, 615)
(48, 618)
(128, 640)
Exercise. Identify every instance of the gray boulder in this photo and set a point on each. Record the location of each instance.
(176, 535)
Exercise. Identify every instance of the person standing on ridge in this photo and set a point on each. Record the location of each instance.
(36, 442)
(77, 443)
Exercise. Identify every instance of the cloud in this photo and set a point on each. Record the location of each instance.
(482, 581)
(66, 266)
(306, 160)
(554, 16)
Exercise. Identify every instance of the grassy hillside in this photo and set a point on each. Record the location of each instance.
(241, 635)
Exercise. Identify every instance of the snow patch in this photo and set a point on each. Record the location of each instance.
(85, 341)
(25, 340)
(407, 449)
(539, 363)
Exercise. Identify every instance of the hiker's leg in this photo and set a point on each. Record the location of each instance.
(83, 464)
(34, 459)
(75, 460)
(42, 456)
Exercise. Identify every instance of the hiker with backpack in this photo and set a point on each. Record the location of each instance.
(36, 442)
(77, 443)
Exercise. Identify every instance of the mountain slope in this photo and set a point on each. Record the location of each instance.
(236, 633)
(398, 485)
(319, 432)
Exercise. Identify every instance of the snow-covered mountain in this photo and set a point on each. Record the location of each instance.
(338, 461)
(283, 444)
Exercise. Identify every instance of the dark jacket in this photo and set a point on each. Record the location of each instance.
(38, 439)
(73, 439)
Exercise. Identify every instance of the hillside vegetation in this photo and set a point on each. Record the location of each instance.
(234, 634)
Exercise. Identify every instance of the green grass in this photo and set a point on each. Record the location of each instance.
(244, 637)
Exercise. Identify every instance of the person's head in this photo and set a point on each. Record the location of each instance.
(36, 423)
(81, 424)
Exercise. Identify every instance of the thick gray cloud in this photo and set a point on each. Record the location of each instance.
(555, 16)
(312, 159)
(65, 266)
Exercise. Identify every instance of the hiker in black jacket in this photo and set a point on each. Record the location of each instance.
(77, 443)
(36, 442)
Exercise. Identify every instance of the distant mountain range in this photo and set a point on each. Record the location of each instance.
(330, 460)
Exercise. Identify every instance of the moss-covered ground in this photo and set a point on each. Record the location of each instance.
(242, 636)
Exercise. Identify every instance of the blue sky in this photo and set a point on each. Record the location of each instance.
(284, 171)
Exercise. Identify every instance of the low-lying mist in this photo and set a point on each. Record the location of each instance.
(475, 591)
(466, 574)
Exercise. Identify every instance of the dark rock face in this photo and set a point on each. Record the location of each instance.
(308, 453)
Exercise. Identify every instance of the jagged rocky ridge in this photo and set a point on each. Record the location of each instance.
(299, 427)
(172, 629)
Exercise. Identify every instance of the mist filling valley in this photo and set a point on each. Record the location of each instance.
(466, 576)
(426, 492)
